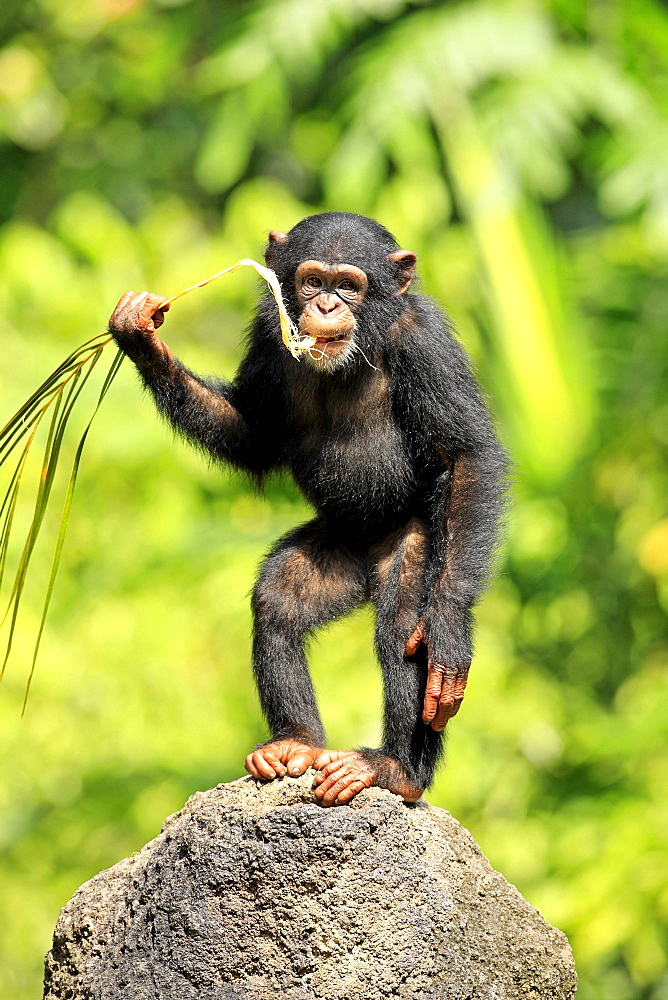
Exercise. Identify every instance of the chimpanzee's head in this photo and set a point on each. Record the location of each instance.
(337, 271)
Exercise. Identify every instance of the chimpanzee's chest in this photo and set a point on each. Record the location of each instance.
(346, 451)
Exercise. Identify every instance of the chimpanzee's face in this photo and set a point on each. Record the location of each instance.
(328, 296)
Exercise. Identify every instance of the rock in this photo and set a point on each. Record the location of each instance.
(254, 891)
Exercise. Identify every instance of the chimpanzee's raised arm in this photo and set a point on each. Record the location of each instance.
(208, 412)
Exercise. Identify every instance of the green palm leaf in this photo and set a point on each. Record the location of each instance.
(58, 394)
(65, 517)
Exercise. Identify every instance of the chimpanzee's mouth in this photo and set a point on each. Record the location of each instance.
(329, 350)
(334, 338)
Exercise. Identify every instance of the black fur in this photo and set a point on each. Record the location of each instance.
(398, 456)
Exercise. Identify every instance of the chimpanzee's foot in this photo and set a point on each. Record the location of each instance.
(275, 760)
(344, 773)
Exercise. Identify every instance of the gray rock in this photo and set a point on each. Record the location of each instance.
(254, 891)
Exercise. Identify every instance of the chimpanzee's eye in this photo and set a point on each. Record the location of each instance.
(347, 286)
(313, 281)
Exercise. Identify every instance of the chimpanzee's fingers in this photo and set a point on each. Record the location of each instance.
(452, 694)
(116, 320)
(151, 316)
(124, 299)
(440, 720)
(414, 641)
(446, 699)
(137, 313)
(298, 762)
(459, 688)
(432, 692)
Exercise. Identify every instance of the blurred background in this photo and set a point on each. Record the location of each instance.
(522, 150)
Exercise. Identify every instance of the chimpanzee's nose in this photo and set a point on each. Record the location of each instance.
(327, 303)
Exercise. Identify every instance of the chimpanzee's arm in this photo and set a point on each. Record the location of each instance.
(211, 413)
(465, 524)
(445, 410)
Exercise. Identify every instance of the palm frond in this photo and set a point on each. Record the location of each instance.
(65, 517)
(55, 399)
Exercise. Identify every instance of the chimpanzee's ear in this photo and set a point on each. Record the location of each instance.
(275, 236)
(405, 259)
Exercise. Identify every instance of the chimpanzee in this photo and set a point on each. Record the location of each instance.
(385, 432)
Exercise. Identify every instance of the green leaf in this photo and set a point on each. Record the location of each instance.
(62, 389)
(64, 520)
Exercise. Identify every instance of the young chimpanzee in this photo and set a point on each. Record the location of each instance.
(385, 432)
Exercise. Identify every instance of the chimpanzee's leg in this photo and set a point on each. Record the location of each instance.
(400, 599)
(309, 579)
(407, 759)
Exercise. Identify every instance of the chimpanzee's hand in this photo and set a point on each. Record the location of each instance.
(444, 692)
(133, 325)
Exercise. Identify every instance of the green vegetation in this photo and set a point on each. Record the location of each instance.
(522, 150)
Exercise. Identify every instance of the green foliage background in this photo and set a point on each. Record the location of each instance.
(521, 148)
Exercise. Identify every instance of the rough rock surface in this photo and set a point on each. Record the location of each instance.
(255, 891)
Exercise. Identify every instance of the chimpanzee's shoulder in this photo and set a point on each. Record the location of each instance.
(424, 335)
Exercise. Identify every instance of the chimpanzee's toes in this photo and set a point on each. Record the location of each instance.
(275, 760)
(342, 778)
